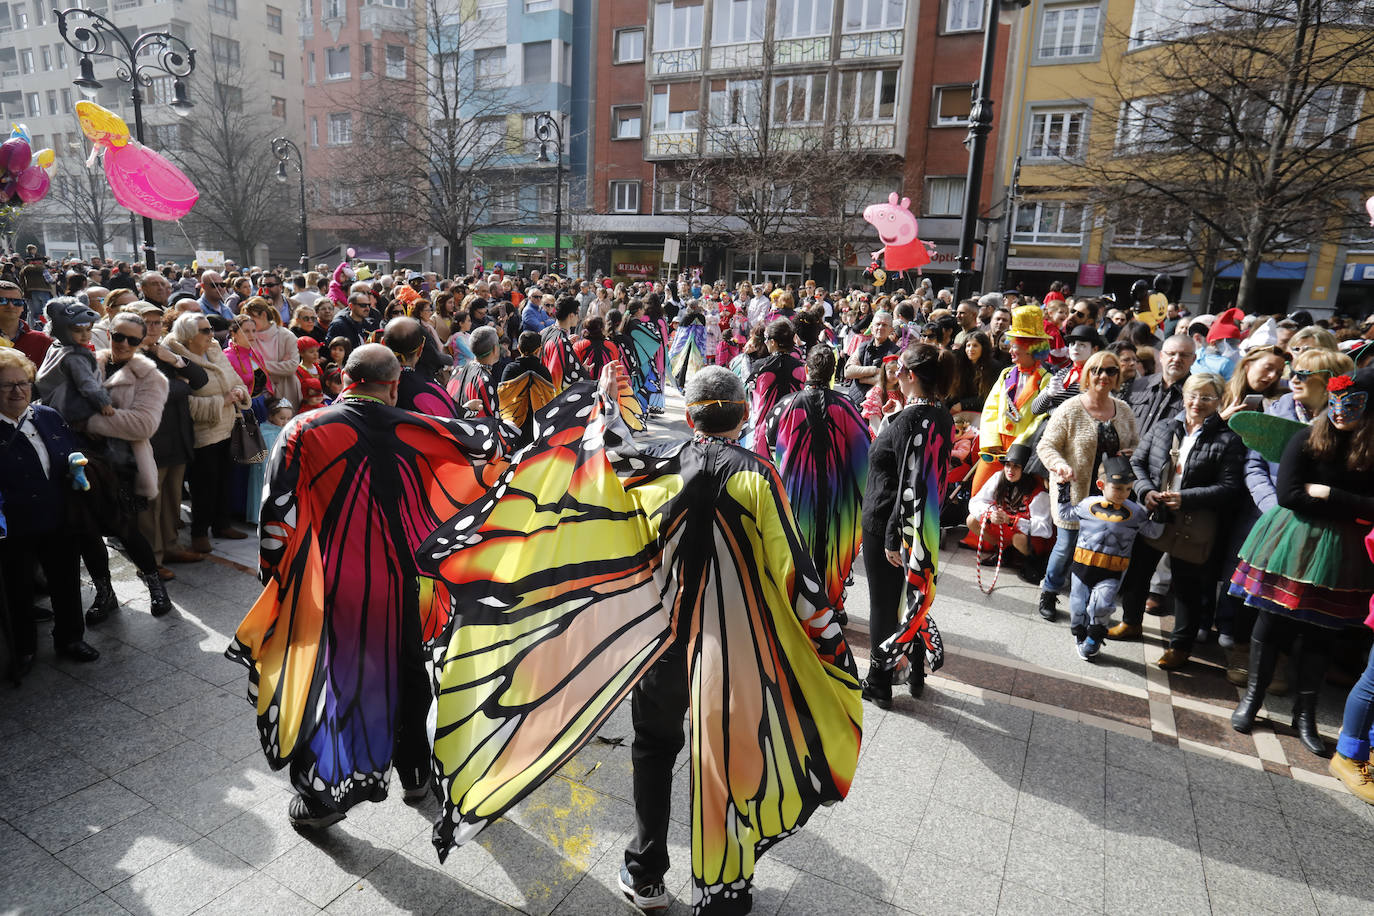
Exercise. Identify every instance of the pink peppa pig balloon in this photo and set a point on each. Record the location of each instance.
(896, 226)
(32, 184)
(15, 155)
(1369, 208)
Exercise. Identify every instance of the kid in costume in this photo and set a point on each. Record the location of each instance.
(1012, 510)
(69, 381)
(1107, 529)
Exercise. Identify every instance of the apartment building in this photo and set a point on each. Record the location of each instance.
(676, 81)
(254, 40)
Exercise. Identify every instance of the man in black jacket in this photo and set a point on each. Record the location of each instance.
(1160, 396)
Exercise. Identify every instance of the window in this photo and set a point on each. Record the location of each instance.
(52, 101)
(274, 20)
(490, 64)
(314, 131)
(340, 129)
(799, 99)
(538, 66)
(1069, 31)
(47, 57)
(167, 136)
(66, 101)
(543, 198)
(26, 60)
(340, 197)
(677, 25)
(680, 197)
(737, 21)
(225, 7)
(229, 97)
(225, 50)
(872, 15)
(396, 62)
(665, 119)
(624, 197)
(310, 67)
(161, 90)
(278, 107)
(626, 121)
(737, 104)
(61, 56)
(802, 18)
(963, 15)
(334, 9)
(504, 201)
(952, 106)
(1146, 124)
(1048, 223)
(629, 46)
(1330, 118)
(336, 65)
(35, 105)
(277, 63)
(367, 58)
(1057, 134)
(944, 196)
(868, 95)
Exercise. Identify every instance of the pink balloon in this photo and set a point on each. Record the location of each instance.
(146, 183)
(6, 188)
(32, 184)
(15, 155)
(1369, 207)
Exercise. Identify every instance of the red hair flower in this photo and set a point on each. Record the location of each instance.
(1339, 383)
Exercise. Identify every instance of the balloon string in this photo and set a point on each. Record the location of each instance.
(189, 243)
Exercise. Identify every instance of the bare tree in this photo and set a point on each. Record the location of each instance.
(223, 147)
(1243, 121)
(85, 198)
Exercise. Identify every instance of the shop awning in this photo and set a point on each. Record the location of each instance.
(1278, 270)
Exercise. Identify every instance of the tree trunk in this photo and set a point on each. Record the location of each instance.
(1211, 254)
(455, 251)
(1249, 275)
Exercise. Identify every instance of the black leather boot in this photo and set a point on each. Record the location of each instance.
(1311, 672)
(1263, 658)
(1049, 606)
(105, 603)
(877, 687)
(159, 603)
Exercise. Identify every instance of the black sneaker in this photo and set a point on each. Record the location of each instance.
(309, 814)
(647, 895)
(1049, 605)
(414, 785)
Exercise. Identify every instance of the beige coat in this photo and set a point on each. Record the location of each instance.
(1070, 440)
(280, 358)
(138, 392)
(214, 419)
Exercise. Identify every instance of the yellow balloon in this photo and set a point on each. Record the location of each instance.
(45, 158)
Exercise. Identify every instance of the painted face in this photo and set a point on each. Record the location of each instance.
(1347, 408)
(1079, 351)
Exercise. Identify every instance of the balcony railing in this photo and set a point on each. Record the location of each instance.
(803, 50)
(673, 143)
(682, 60)
(865, 136)
(737, 56)
(871, 44)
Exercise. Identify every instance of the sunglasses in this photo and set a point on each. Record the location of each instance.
(205, 330)
(1302, 375)
(213, 285)
(1108, 371)
(125, 339)
(1274, 350)
(15, 301)
(271, 285)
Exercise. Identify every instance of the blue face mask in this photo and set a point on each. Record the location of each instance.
(1347, 408)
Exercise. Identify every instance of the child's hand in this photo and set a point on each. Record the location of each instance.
(107, 411)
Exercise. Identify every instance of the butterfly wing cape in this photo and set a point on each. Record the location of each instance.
(574, 579)
(648, 337)
(921, 487)
(820, 447)
(1266, 433)
(521, 396)
(772, 380)
(687, 355)
(561, 359)
(339, 530)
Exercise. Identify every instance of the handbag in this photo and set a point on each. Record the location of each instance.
(1189, 533)
(246, 444)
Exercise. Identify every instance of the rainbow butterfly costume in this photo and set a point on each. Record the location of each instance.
(583, 568)
(820, 445)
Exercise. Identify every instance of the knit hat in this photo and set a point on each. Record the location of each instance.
(1226, 326)
(306, 343)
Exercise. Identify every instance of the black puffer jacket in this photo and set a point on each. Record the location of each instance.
(1213, 475)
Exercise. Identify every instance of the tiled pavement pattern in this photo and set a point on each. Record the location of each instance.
(1026, 781)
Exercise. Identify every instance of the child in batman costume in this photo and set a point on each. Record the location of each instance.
(1107, 528)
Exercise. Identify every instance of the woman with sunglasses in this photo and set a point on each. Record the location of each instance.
(1304, 567)
(1257, 380)
(305, 322)
(138, 394)
(1305, 401)
(214, 406)
(1081, 432)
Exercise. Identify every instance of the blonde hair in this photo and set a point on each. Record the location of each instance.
(11, 358)
(1205, 380)
(1318, 360)
(1100, 358)
(1317, 337)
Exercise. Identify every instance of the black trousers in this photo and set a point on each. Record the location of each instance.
(209, 477)
(56, 553)
(1309, 645)
(97, 558)
(657, 707)
(1194, 589)
(885, 583)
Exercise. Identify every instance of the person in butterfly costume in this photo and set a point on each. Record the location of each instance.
(334, 643)
(597, 567)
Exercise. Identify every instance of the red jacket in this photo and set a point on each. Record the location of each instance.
(33, 344)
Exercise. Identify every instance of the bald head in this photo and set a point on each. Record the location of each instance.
(372, 370)
(406, 338)
(210, 285)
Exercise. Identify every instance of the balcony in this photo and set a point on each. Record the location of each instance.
(802, 50)
(673, 143)
(744, 55)
(866, 137)
(871, 44)
(682, 60)
(385, 19)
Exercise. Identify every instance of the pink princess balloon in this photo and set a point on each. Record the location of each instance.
(148, 184)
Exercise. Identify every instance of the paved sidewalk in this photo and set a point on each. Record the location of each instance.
(1026, 781)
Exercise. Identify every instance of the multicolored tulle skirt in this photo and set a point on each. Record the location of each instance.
(1318, 573)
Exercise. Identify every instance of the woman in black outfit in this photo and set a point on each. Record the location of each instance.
(924, 378)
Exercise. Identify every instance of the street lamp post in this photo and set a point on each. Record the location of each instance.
(980, 125)
(548, 129)
(286, 151)
(136, 62)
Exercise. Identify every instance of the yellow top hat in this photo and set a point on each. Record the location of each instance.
(1028, 321)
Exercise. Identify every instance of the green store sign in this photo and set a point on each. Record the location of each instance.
(493, 240)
